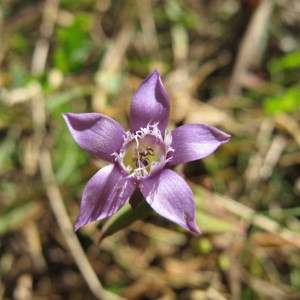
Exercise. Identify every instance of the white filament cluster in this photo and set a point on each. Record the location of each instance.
(141, 171)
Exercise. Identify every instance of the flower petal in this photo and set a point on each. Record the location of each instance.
(96, 133)
(170, 196)
(106, 192)
(195, 141)
(150, 104)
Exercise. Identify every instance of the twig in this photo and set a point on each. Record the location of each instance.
(148, 26)
(58, 208)
(260, 221)
(286, 122)
(251, 48)
(44, 159)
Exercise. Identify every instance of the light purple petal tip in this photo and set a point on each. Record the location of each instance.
(150, 103)
(170, 196)
(195, 141)
(96, 133)
(106, 192)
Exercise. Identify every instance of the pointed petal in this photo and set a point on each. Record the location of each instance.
(106, 192)
(170, 196)
(96, 133)
(195, 141)
(150, 104)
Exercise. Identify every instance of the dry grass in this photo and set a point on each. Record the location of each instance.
(216, 60)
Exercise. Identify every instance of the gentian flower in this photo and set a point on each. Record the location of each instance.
(140, 158)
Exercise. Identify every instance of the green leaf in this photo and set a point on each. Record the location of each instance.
(14, 217)
(209, 218)
(124, 217)
(289, 101)
(74, 44)
(55, 101)
(288, 61)
(111, 82)
(212, 224)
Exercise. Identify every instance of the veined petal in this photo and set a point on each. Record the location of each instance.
(171, 197)
(195, 141)
(106, 192)
(96, 133)
(150, 104)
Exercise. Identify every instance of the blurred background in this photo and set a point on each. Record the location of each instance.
(233, 64)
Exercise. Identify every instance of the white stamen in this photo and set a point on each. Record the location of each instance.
(145, 168)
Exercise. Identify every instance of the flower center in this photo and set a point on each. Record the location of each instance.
(144, 152)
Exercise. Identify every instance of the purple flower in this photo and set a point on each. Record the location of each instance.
(140, 158)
